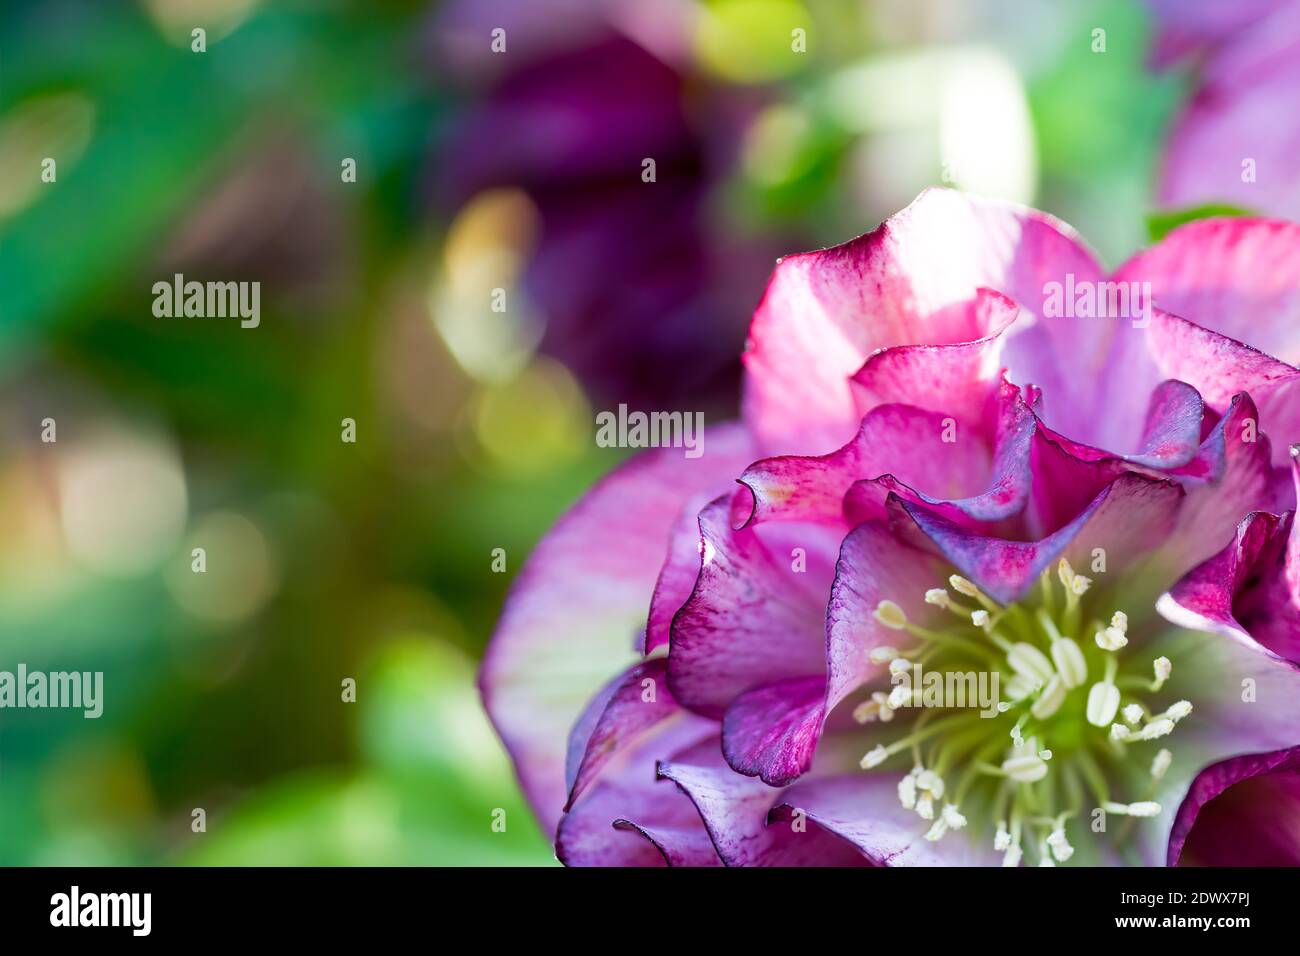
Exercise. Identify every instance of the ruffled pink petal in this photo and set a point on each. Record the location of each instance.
(956, 379)
(1068, 474)
(1244, 811)
(1249, 591)
(1231, 476)
(899, 441)
(570, 621)
(1220, 368)
(1204, 598)
(1128, 518)
(921, 455)
(1239, 277)
(771, 732)
(1000, 496)
(874, 566)
(909, 282)
(864, 810)
(677, 576)
(1250, 70)
(1171, 433)
(631, 818)
(1245, 702)
(632, 703)
(735, 810)
(756, 614)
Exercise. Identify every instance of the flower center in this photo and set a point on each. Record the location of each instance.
(1016, 721)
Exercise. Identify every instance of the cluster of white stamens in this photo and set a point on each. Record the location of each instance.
(1040, 665)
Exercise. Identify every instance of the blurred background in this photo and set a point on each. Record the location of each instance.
(475, 170)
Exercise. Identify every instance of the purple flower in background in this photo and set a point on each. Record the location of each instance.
(965, 451)
(1236, 139)
(626, 272)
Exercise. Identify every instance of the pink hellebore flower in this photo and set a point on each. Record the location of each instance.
(905, 611)
(1234, 141)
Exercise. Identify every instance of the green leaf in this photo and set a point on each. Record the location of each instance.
(1164, 221)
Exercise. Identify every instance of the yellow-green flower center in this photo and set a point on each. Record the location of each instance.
(1017, 721)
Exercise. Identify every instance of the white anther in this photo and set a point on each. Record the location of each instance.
(1179, 710)
(1119, 621)
(1069, 662)
(886, 713)
(1132, 713)
(1060, 845)
(925, 807)
(962, 586)
(1163, 668)
(1044, 755)
(1064, 573)
(1161, 763)
(1044, 858)
(1012, 856)
(882, 654)
(938, 597)
(1016, 737)
(1001, 839)
(1143, 808)
(899, 665)
(1103, 702)
(937, 830)
(1111, 639)
(907, 791)
(931, 783)
(867, 711)
(1120, 733)
(979, 618)
(1028, 768)
(874, 757)
(900, 696)
(1156, 729)
(953, 817)
(1050, 700)
(1030, 661)
(891, 615)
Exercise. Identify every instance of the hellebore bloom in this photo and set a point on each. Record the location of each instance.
(905, 611)
(1234, 141)
(625, 272)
